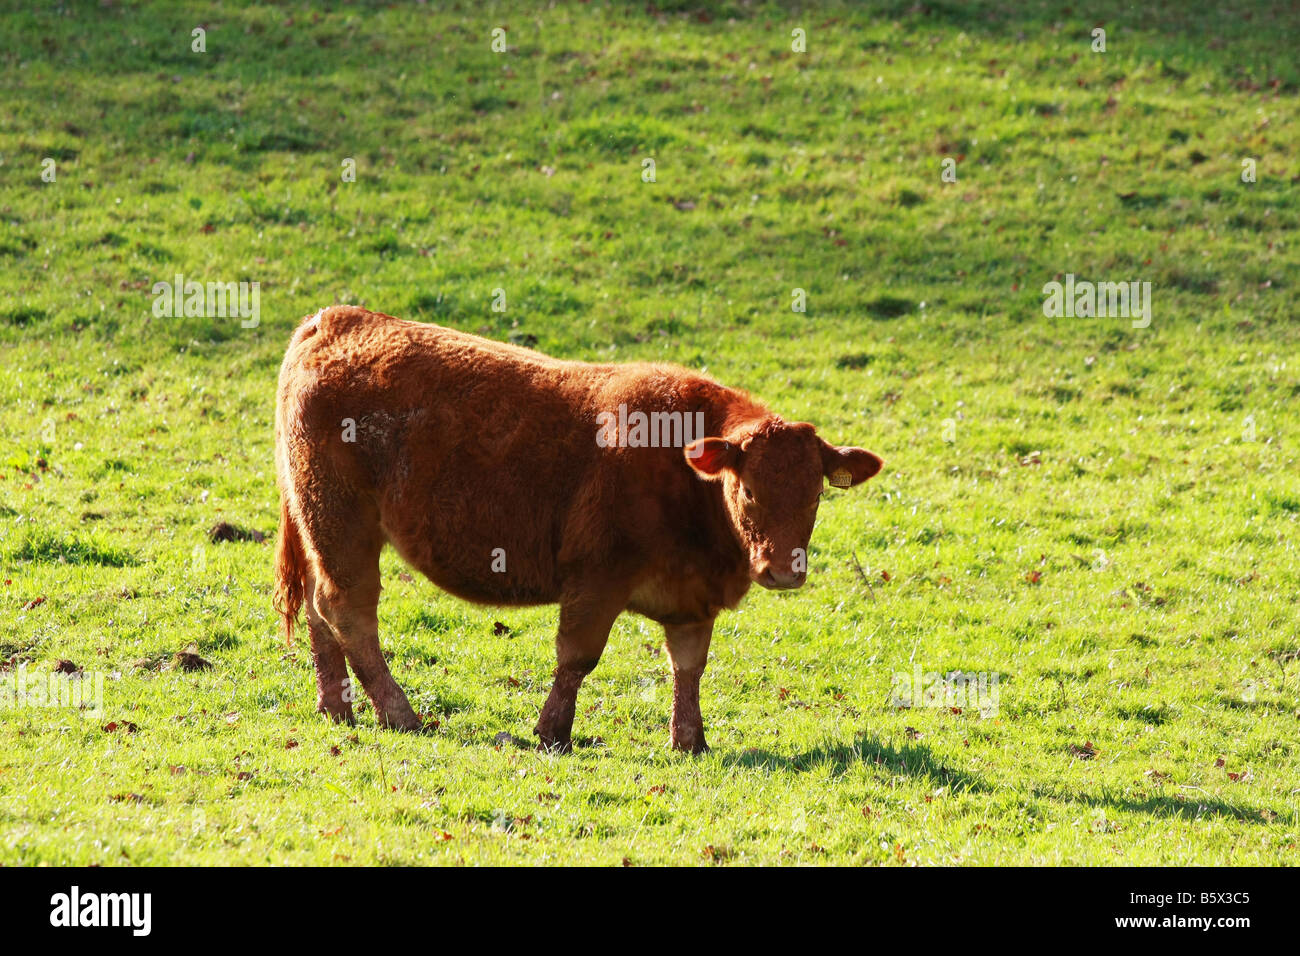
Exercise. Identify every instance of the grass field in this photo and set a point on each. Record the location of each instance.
(1106, 517)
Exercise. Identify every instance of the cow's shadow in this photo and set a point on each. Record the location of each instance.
(918, 761)
(911, 759)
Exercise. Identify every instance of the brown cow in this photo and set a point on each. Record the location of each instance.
(499, 474)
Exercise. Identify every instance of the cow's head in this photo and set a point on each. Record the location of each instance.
(771, 480)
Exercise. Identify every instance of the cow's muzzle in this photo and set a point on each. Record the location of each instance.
(775, 579)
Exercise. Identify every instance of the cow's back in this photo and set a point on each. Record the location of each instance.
(474, 452)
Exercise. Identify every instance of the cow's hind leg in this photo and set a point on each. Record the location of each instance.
(354, 618)
(346, 598)
(334, 691)
(584, 628)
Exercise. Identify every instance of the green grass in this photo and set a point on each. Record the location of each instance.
(1106, 517)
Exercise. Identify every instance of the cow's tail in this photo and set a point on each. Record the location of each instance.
(290, 570)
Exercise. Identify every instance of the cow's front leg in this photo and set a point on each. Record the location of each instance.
(688, 647)
(584, 628)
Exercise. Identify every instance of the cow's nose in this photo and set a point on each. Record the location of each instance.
(777, 579)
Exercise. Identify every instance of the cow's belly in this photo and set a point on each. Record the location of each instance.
(486, 549)
(479, 510)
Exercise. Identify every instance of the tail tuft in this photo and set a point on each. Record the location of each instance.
(290, 571)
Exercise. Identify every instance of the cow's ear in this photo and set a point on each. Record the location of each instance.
(709, 456)
(846, 467)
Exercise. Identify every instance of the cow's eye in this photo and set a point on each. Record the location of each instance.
(749, 495)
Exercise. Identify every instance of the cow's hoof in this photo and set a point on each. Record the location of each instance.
(407, 722)
(553, 745)
(339, 713)
(691, 745)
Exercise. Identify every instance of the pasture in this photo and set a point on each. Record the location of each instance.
(1099, 517)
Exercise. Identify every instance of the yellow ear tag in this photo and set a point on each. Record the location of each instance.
(841, 478)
